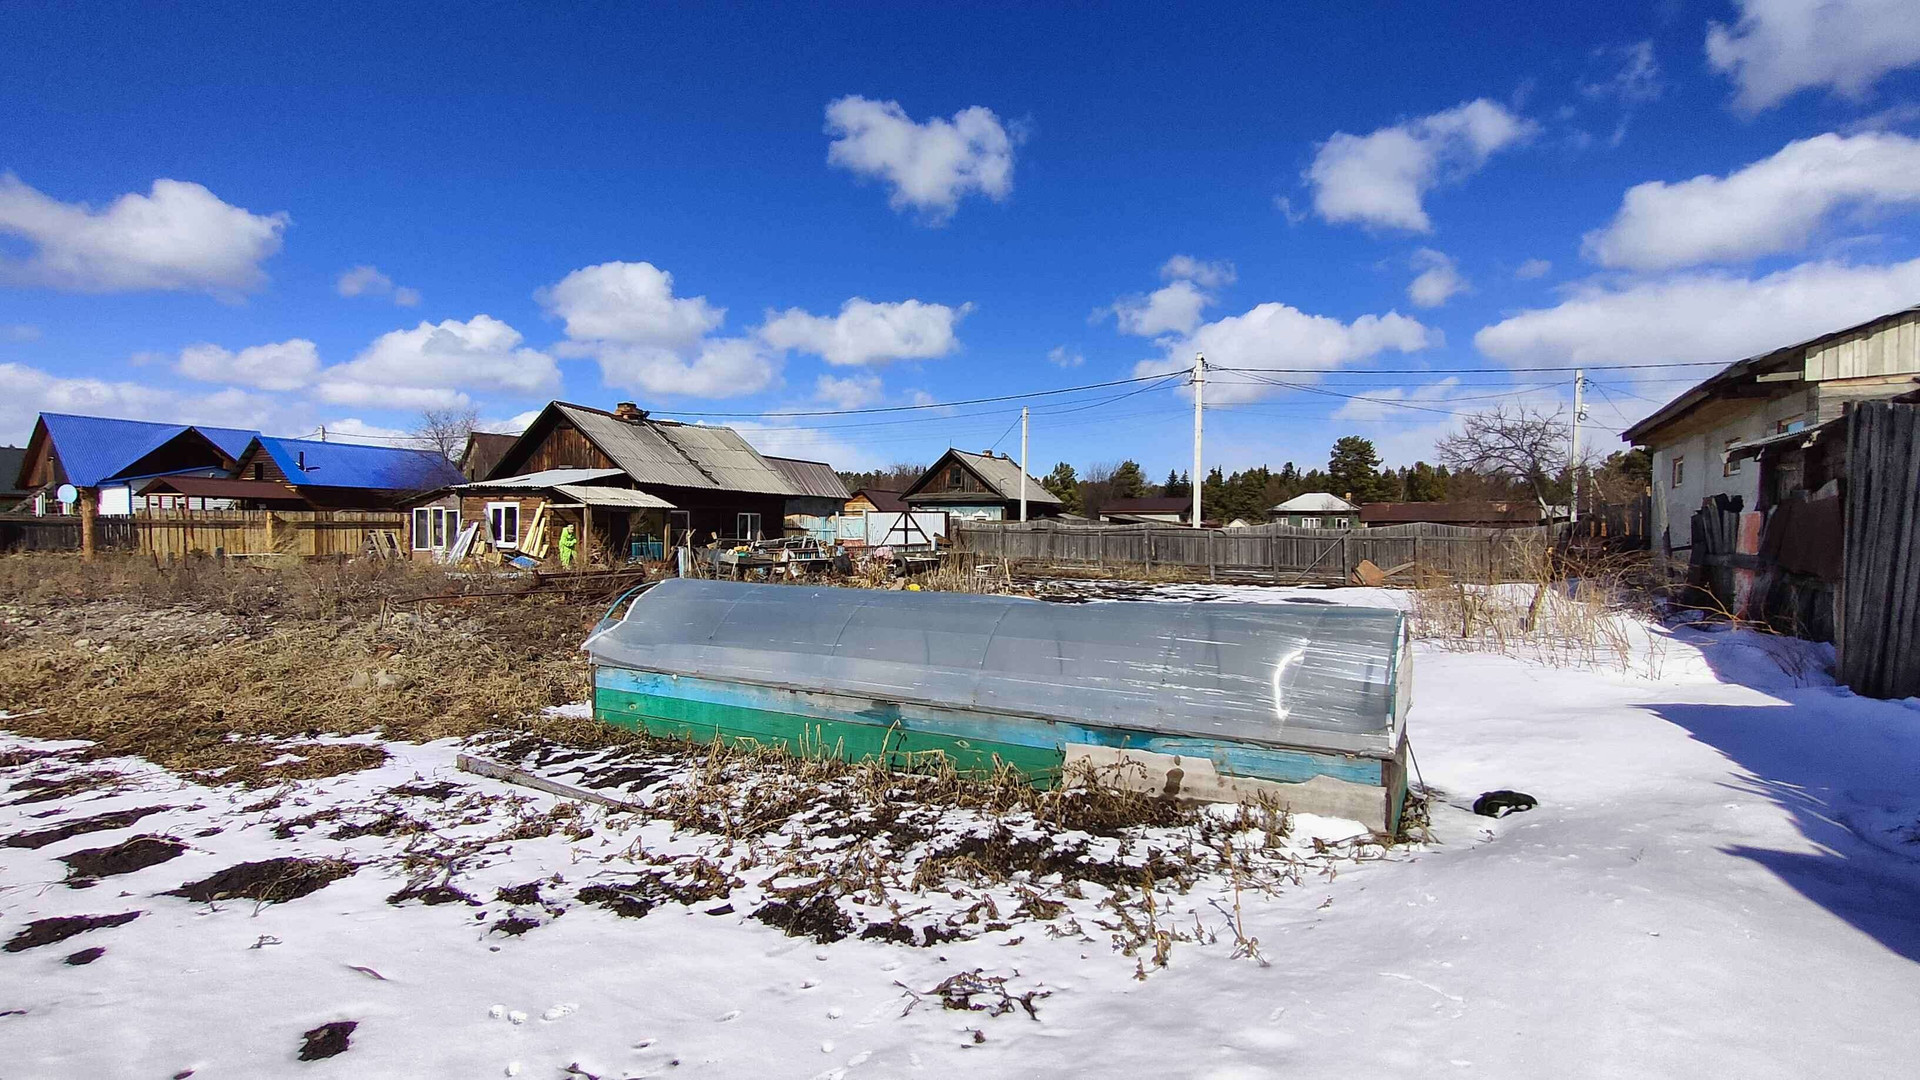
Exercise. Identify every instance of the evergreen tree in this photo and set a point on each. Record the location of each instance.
(1426, 483)
(1065, 486)
(1354, 469)
(1128, 481)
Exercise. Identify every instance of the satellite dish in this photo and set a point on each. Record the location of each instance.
(68, 493)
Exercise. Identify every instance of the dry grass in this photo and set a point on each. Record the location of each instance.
(313, 649)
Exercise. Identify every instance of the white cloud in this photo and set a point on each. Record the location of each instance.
(1773, 205)
(868, 333)
(285, 365)
(20, 332)
(1275, 335)
(1780, 47)
(852, 392)
(625, 316)
(1533, 268)
(718, 368)
(1207, 275)
(365, 280)
(27, 391)
(1388, 402)
(1634, 77)
(1700, 316)
(1439, 279)
(179, 237)
(1061, 356)
(929, 166)
(352, 429)
(1381, 178)
(631, 303)
(812, 444)
(512, 425)
(1173, 308)
(430, 365)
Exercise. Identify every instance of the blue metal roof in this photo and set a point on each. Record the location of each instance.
(96, 448)
(232, 441)
(92, 448)
(350, 465)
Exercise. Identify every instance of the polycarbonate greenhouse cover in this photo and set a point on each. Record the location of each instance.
(1317, 676)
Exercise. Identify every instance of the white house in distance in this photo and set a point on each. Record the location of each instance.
(1798, 386)
(1316, 510)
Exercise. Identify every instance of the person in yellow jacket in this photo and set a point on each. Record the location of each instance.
(569, 543)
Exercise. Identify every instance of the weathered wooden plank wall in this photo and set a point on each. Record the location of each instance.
(62, 533)
(180, 533)
(1268, 550)
(1880, 602)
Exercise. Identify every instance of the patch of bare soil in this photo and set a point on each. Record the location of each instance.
(440, 792)
(815, 914)
(47, 789)
(47, 931)
(136, 853)
(269, 881)
(85, 956)
(431, 895)
(119, 819)
(327, 1040)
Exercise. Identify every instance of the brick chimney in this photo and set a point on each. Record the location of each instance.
(629, 412)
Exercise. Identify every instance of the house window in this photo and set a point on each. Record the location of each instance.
(1730, 466)
(435, 528)
(259, 470)
(1791, 423)
(679, 525)
(1309, 522)
(1679, 472)
(953, 476)
(747, 526)
(503, 521)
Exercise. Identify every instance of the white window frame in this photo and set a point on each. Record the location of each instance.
(1679, 471)
(435, 528)
(422, 523)
(495, 526)
(747, 524)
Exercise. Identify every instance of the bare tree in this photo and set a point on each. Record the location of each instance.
(1523, 447)
(446, 430)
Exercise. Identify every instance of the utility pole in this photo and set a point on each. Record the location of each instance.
(1199, 393)
(1023, 463)
(1579, 414)
(323, 433)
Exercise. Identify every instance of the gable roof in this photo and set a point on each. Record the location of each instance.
(544, 479)
(271, 492)
(314, 463)
(882, 499)
(816, 478)
(90, 449)
(1315, 502)
(1448, 513)
(663, 452)
(483, 451)
(1000, 475)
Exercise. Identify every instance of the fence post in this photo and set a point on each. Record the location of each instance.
(1211, 573)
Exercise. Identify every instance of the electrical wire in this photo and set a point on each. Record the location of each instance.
(941, 404)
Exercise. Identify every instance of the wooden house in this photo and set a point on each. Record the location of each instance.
(825, 494)
(482, 453)
(981, 487)
(874, 500)
(107, 460)
(1148, 510)
(702, 482)
(345, 476)
(526, 515)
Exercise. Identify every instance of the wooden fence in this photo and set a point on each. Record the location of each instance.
(62, 533)
(179, 533)
(1268, 551)
(1879, 605)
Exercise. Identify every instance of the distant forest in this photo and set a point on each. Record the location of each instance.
(1475, 470)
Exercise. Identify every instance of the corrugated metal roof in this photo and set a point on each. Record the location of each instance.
(220, 487)
(546, 479)
(816, 478)
(232, 441)
(881, 498)
(1003, 476)
(1315, 502)
(617, 498)
(679, 455)
(92, 448)
(350, 465)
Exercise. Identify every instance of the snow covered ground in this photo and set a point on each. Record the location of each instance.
(1722, 878)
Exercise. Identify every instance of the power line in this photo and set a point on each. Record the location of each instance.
(939, 404)
(1484, 370)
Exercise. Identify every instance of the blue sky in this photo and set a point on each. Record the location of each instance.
(763, 210)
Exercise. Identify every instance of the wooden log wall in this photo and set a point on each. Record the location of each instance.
(1268, 551)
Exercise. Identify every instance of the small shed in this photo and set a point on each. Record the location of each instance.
(823, 493)
(983, 487)
(1148, 510)
(525, 515)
